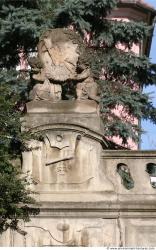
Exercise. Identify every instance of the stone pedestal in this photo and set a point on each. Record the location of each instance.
(66, 164)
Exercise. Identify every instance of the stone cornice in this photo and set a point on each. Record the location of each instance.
(142, 5)
(132, 154)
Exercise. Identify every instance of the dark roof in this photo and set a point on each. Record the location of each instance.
(140, 4)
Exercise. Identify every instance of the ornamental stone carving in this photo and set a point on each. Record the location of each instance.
(61, 64)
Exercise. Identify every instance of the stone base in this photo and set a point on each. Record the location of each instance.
(43, 115)
(83, 199)
(63, 107)
(68, 158)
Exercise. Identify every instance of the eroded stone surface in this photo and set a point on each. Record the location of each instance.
(84, 199)
(66, 160)
(67, 232)
(61, 62)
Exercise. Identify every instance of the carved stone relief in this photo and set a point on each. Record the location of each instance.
(46, 91)
(61, 61)
(67, 232)
(66, 160)
(61, 159)
(125, 175)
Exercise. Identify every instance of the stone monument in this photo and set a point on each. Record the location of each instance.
(88, 195)
(68, 157)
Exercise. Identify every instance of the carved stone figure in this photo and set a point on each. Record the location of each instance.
(125, 174)
(61, 61)
(87, 89)
(46, 91)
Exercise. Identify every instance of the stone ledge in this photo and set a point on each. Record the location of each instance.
(134, 154)
(62, 107)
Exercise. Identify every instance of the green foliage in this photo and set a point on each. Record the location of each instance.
(21, 24)
(15, 197)
(84, 14)
(91, 16)
(121, 74)
(15, 200)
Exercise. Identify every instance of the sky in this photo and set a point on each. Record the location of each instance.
(148, 139)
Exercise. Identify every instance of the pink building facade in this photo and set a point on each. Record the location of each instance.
(138, 11)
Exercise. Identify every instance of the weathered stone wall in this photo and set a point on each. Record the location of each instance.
(89, 195)
(97, 218)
